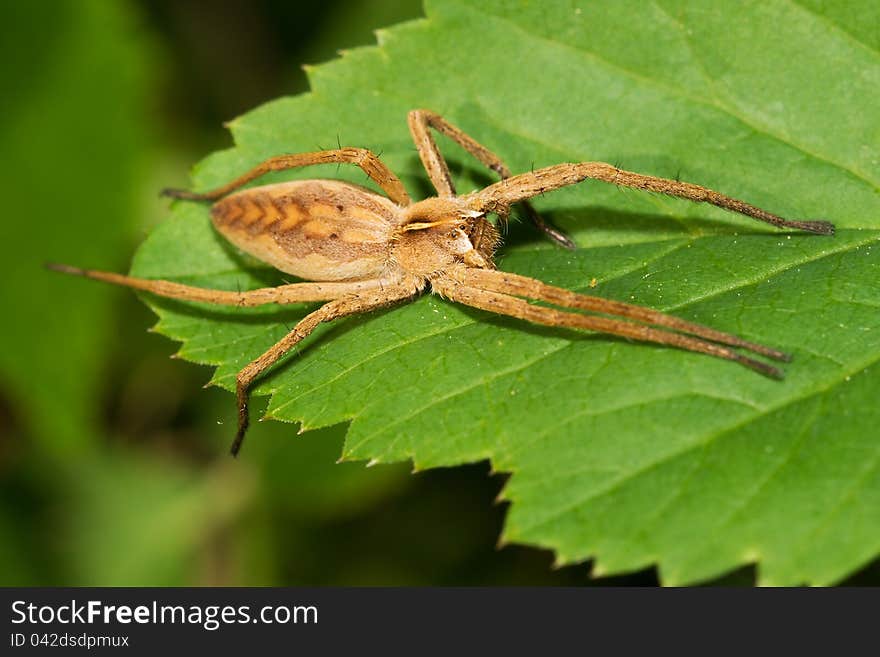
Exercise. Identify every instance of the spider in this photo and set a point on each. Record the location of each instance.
(358, 250)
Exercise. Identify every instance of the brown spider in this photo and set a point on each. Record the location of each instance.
(365, 251)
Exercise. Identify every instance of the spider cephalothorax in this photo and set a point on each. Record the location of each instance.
(360, 250)
(440, 233)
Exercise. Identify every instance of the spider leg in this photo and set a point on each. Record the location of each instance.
(527, 185)
(547, 228)
(365, 159)
(351, 304)
(421, 120)
(282, 294)
(504, 304)
(505, 282)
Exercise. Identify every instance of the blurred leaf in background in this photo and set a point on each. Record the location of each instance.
(74, 146)
(74, 142)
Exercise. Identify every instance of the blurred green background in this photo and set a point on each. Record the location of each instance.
(113, 462)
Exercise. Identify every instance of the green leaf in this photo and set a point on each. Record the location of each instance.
(624, 453)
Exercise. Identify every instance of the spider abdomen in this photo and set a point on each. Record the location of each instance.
(320, 230)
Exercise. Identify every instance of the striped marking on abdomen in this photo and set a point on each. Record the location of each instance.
(256, 213)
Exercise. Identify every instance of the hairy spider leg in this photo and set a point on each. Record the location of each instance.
(348, 305)
(421, 120)
(283, 294)
(527, 185)
(505, 282)
(361, 157)
(504, 304)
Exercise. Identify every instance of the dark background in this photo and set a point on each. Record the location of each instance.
(113, 463)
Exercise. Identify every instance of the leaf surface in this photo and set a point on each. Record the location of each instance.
(624, 453)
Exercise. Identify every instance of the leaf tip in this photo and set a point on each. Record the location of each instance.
(559, 562)
(303, 427)
(596, 570)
